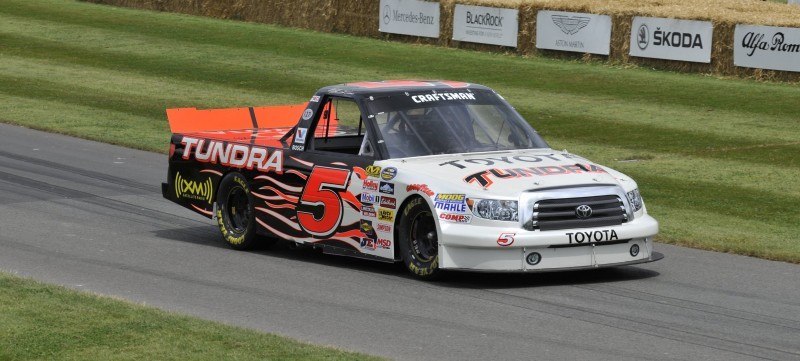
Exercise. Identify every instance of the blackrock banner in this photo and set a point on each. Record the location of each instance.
(479, 24)
(409, 17)
(671, 39)
(578, 32)
(766, 47)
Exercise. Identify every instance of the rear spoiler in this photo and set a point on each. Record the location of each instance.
(188, 120)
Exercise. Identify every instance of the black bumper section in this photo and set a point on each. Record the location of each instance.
(164, 187)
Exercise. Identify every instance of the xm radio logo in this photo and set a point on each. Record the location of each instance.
(190, 189)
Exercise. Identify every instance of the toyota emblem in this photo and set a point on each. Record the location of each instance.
(583, 211)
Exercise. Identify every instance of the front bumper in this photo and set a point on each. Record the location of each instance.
(472, 247)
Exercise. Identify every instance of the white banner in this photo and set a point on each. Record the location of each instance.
(485, 25)
(766, 47)
(672, 39)
(578, 32)
(409, 17)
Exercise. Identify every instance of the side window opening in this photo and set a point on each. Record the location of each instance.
(341, 129)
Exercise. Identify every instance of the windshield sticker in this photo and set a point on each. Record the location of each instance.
(300, 136)
(435, 97)
(484, 177)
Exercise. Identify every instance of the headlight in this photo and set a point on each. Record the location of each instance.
(494, 209)
(635, 199)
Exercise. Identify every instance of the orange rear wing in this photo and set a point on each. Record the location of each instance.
(188, 120)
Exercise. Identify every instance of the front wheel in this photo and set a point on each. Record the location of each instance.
(235, 212)
(418, 240)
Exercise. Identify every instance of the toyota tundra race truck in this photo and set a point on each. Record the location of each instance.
(438, 175)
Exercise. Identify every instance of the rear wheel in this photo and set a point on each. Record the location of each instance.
(235, 212)
(418, 240)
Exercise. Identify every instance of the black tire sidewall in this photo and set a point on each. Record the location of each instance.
(237, 240)
(419, 268)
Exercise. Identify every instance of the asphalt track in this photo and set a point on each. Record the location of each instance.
(90, 216)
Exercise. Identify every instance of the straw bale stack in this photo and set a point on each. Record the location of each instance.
(360, 17)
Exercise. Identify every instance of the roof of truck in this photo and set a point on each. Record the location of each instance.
(387, 86)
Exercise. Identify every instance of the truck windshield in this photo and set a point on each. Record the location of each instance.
(447, 122)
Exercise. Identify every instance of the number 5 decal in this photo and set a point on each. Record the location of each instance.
(320, 190)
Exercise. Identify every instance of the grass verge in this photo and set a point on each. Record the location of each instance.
(717, 160)
(43, 322)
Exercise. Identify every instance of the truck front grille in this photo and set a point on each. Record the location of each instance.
(564, 213)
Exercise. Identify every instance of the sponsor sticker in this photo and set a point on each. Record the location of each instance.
(387, 188)
(385, 214)
(367, 210)
(370, 198)
(368, 243)
(300, 135)
(592, 236)
(388, 173)
(315, 99)
(383, 227)
(383, 243)
(373, 171)
(506, 239)
(436, 97)
(451, 202)
(455, 217)
(233, 155)
(307, 114)
(388, 202)
(298, 147)
(370, 185)
(366, 228)
(484, 177)
(194, 190)
(422, 188)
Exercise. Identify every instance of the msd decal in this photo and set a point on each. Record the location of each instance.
(483, 178)
(233, 155)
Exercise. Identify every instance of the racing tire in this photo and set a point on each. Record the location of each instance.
(418, 240)
(236, 212)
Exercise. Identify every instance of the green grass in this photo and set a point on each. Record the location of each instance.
(43, 322)
(717, 160)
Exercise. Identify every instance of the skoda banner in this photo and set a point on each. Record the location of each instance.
(578, 32)
(671, 39)
(479, 24)
(409, 17)
(766, 47)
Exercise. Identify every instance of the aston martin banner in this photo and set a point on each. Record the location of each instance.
(577, 32)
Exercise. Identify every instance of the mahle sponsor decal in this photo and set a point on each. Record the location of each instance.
(191, 189)
(451, 202)
(373, 171)
(233, 155)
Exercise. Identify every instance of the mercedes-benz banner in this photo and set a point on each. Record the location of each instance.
(409, 17)
(766, 47)
(485, 25)
(578, 32)
(671, 39)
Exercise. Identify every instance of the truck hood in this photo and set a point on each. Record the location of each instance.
(505, 173)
